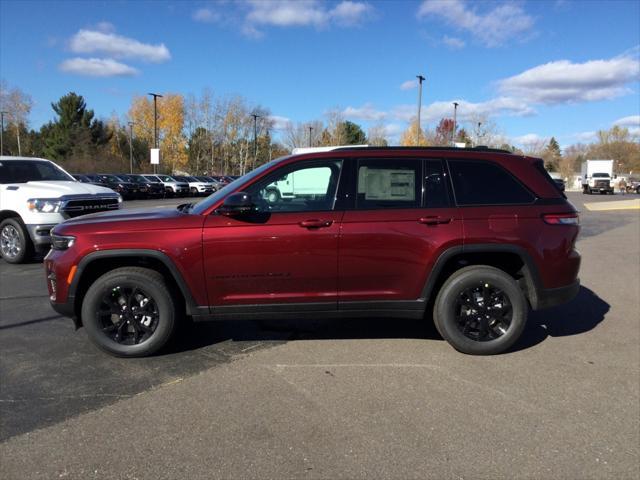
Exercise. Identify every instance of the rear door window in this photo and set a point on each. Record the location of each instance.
(388, 183)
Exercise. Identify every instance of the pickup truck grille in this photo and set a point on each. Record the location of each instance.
(75, 208)
(602, 184)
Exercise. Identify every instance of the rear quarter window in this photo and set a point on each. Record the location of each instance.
(486, 183)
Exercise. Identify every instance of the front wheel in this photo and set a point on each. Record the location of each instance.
(480, 310)
(15, 244)
(129, 312)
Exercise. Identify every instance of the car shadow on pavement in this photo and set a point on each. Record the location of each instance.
(580, 315)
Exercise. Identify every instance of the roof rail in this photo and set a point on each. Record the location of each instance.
(479, 148)
(300, 150)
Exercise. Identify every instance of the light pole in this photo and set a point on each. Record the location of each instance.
(455, 122)
(310, 130)
(420, 80)
(155, 123)
(131, 147)
(255, 138)
(2, 131)
(478, 134)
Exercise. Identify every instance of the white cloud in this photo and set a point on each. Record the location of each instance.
(466, 110)
(206, 15)
(453, 42)
(302, 13)
(585, 136)
(366, 112)
(493, 27)
(91, 41)
(97, 67)
(105, 27)
(349, 13)
(566, 82)
(630, 121)
(279, 123)
(529, 139)
(409, 85)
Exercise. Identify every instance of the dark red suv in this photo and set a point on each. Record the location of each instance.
(476, 236)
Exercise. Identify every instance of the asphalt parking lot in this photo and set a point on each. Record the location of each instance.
(334, 399)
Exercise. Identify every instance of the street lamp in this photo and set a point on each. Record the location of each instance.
(131, 147)
(2, 114)
(255, 138)
(455, 122)
(155, 122)
(310, 129)
(420, 80)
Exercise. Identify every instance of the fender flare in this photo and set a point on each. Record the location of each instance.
(531, 273)
(192, 307)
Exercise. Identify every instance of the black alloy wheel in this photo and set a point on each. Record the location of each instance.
(483, 312)
(480, 310)
(128, 315)
(129, 312)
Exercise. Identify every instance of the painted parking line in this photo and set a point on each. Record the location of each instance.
(615, 205)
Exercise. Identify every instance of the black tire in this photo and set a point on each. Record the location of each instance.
(194, 192)
(15, 244)
(153, 288)
(451, 308)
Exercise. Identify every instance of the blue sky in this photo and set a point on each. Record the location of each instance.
(537, 68)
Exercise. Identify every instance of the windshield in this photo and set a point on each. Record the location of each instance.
(134, 179)
(215, 197)
(23, 171)
(166, 178)
(153, 178)
(600, 175)
(109, 178)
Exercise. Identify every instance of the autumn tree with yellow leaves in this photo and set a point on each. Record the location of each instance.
(172, 142)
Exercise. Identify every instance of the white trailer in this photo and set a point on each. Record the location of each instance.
(597, 176)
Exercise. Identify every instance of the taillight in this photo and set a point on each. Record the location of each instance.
(561, 219)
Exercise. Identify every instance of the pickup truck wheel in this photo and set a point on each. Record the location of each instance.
(480, 310)
(273, 196)
(15, 244)
(129, 312)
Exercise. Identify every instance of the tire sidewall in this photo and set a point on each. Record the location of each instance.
(444, 311)
(158, 292)
(24, 240)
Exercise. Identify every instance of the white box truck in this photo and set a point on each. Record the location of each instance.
(597, 176)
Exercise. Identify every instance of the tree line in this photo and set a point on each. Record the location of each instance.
(207, 134)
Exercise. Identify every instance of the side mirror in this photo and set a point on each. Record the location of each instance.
(239, 203)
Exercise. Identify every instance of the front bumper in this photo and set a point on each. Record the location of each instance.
(40, 234)
(550, 297)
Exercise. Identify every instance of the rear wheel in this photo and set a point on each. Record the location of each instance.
(480, 310)
(15, 244)
(129, 312)
(273, 195)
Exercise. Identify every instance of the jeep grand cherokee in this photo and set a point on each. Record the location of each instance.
(470, 237)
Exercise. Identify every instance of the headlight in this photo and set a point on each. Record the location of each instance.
(62, 242)
(119, 198)
(44, 205)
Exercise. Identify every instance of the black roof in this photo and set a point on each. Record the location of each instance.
(479, 148)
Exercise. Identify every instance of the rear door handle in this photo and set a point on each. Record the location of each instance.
(434, 220)
(316, 223)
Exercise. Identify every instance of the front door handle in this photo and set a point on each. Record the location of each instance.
(316, 223)
(434, 220)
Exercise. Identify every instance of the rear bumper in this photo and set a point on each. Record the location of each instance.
(550, 297)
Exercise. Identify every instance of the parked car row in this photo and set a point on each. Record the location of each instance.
(143, 186)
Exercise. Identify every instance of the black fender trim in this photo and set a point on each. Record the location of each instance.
(531, 274)
(191, 306)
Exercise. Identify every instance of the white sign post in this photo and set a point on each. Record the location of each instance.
(155, 158)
